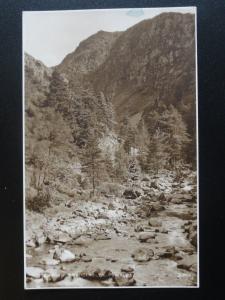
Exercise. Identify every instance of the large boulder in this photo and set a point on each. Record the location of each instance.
(34, 272)
(145, 236)
(154, 222)
(142, 254)
(53, 275)
(64, 255)
(58, 237)
(124, 279)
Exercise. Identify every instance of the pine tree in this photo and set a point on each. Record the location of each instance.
(92, 162)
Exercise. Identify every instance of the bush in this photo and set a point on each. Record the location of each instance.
(38, 202)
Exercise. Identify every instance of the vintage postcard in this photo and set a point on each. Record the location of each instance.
(110, 148)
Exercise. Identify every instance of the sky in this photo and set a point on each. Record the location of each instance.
(50, 35)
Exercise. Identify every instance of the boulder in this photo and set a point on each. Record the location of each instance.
(64, 255)
(34, 272)
(131, 194)
(142, 254)
(58, 237)
(103, 236)
(124, 279)
(145, 178)
(53, 275)
(163, 230)
(144, 236)
(168, 252)
(127, 269)
(157, 207)
(31, 243)
(154, 185)
(86, 258)
(154, 222)
(188, 262)
(82, 241)
(96, 274)
(162, 198)
(138, 228)
(49, 261)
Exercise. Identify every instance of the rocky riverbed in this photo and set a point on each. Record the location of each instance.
(145, 237)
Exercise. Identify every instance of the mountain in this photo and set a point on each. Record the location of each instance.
(88, 56)
(149, 65)
(119, 97)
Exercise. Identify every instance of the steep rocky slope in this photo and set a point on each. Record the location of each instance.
(151, 64)
(88, 56)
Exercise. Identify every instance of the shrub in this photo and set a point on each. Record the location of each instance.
(38, 202)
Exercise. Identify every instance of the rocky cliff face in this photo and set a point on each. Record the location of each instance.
(152, 61)
(88, 56)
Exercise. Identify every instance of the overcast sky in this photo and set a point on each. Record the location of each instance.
(50, 35)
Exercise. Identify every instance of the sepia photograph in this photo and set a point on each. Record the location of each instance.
(110, 127)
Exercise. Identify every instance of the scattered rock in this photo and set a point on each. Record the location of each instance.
(86, 258)
(102, 237)
(187, 262)
(31, 243)
(153, 185)
(127, 269)
(157, 207)
(34, 272)
(169, 252)
(163, 230)
(53, 275)
(138, 228)
(142, 254)
(82, 241)
(124, 279)
(144, 236)
(131, 194)
(96, 274)
(63, 255)
(155, 222)
(50, 262)
(59, 237)
(162, 198)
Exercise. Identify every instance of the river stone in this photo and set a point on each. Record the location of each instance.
(124, 279)
(31, 243)
(187, 262)
(131, 194)
(168, 252)
(144, 236)
(59, 237)
(82, 241)
(127, 269)
(142, 254)
(53, 275)
(96, 274)
(40, 238)
(64, 255)
(34, 272)
(49, 262)
(86, 258)
(157, 207)
(163, 230)
(155, 222)
(138, 228)
(102, 237)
